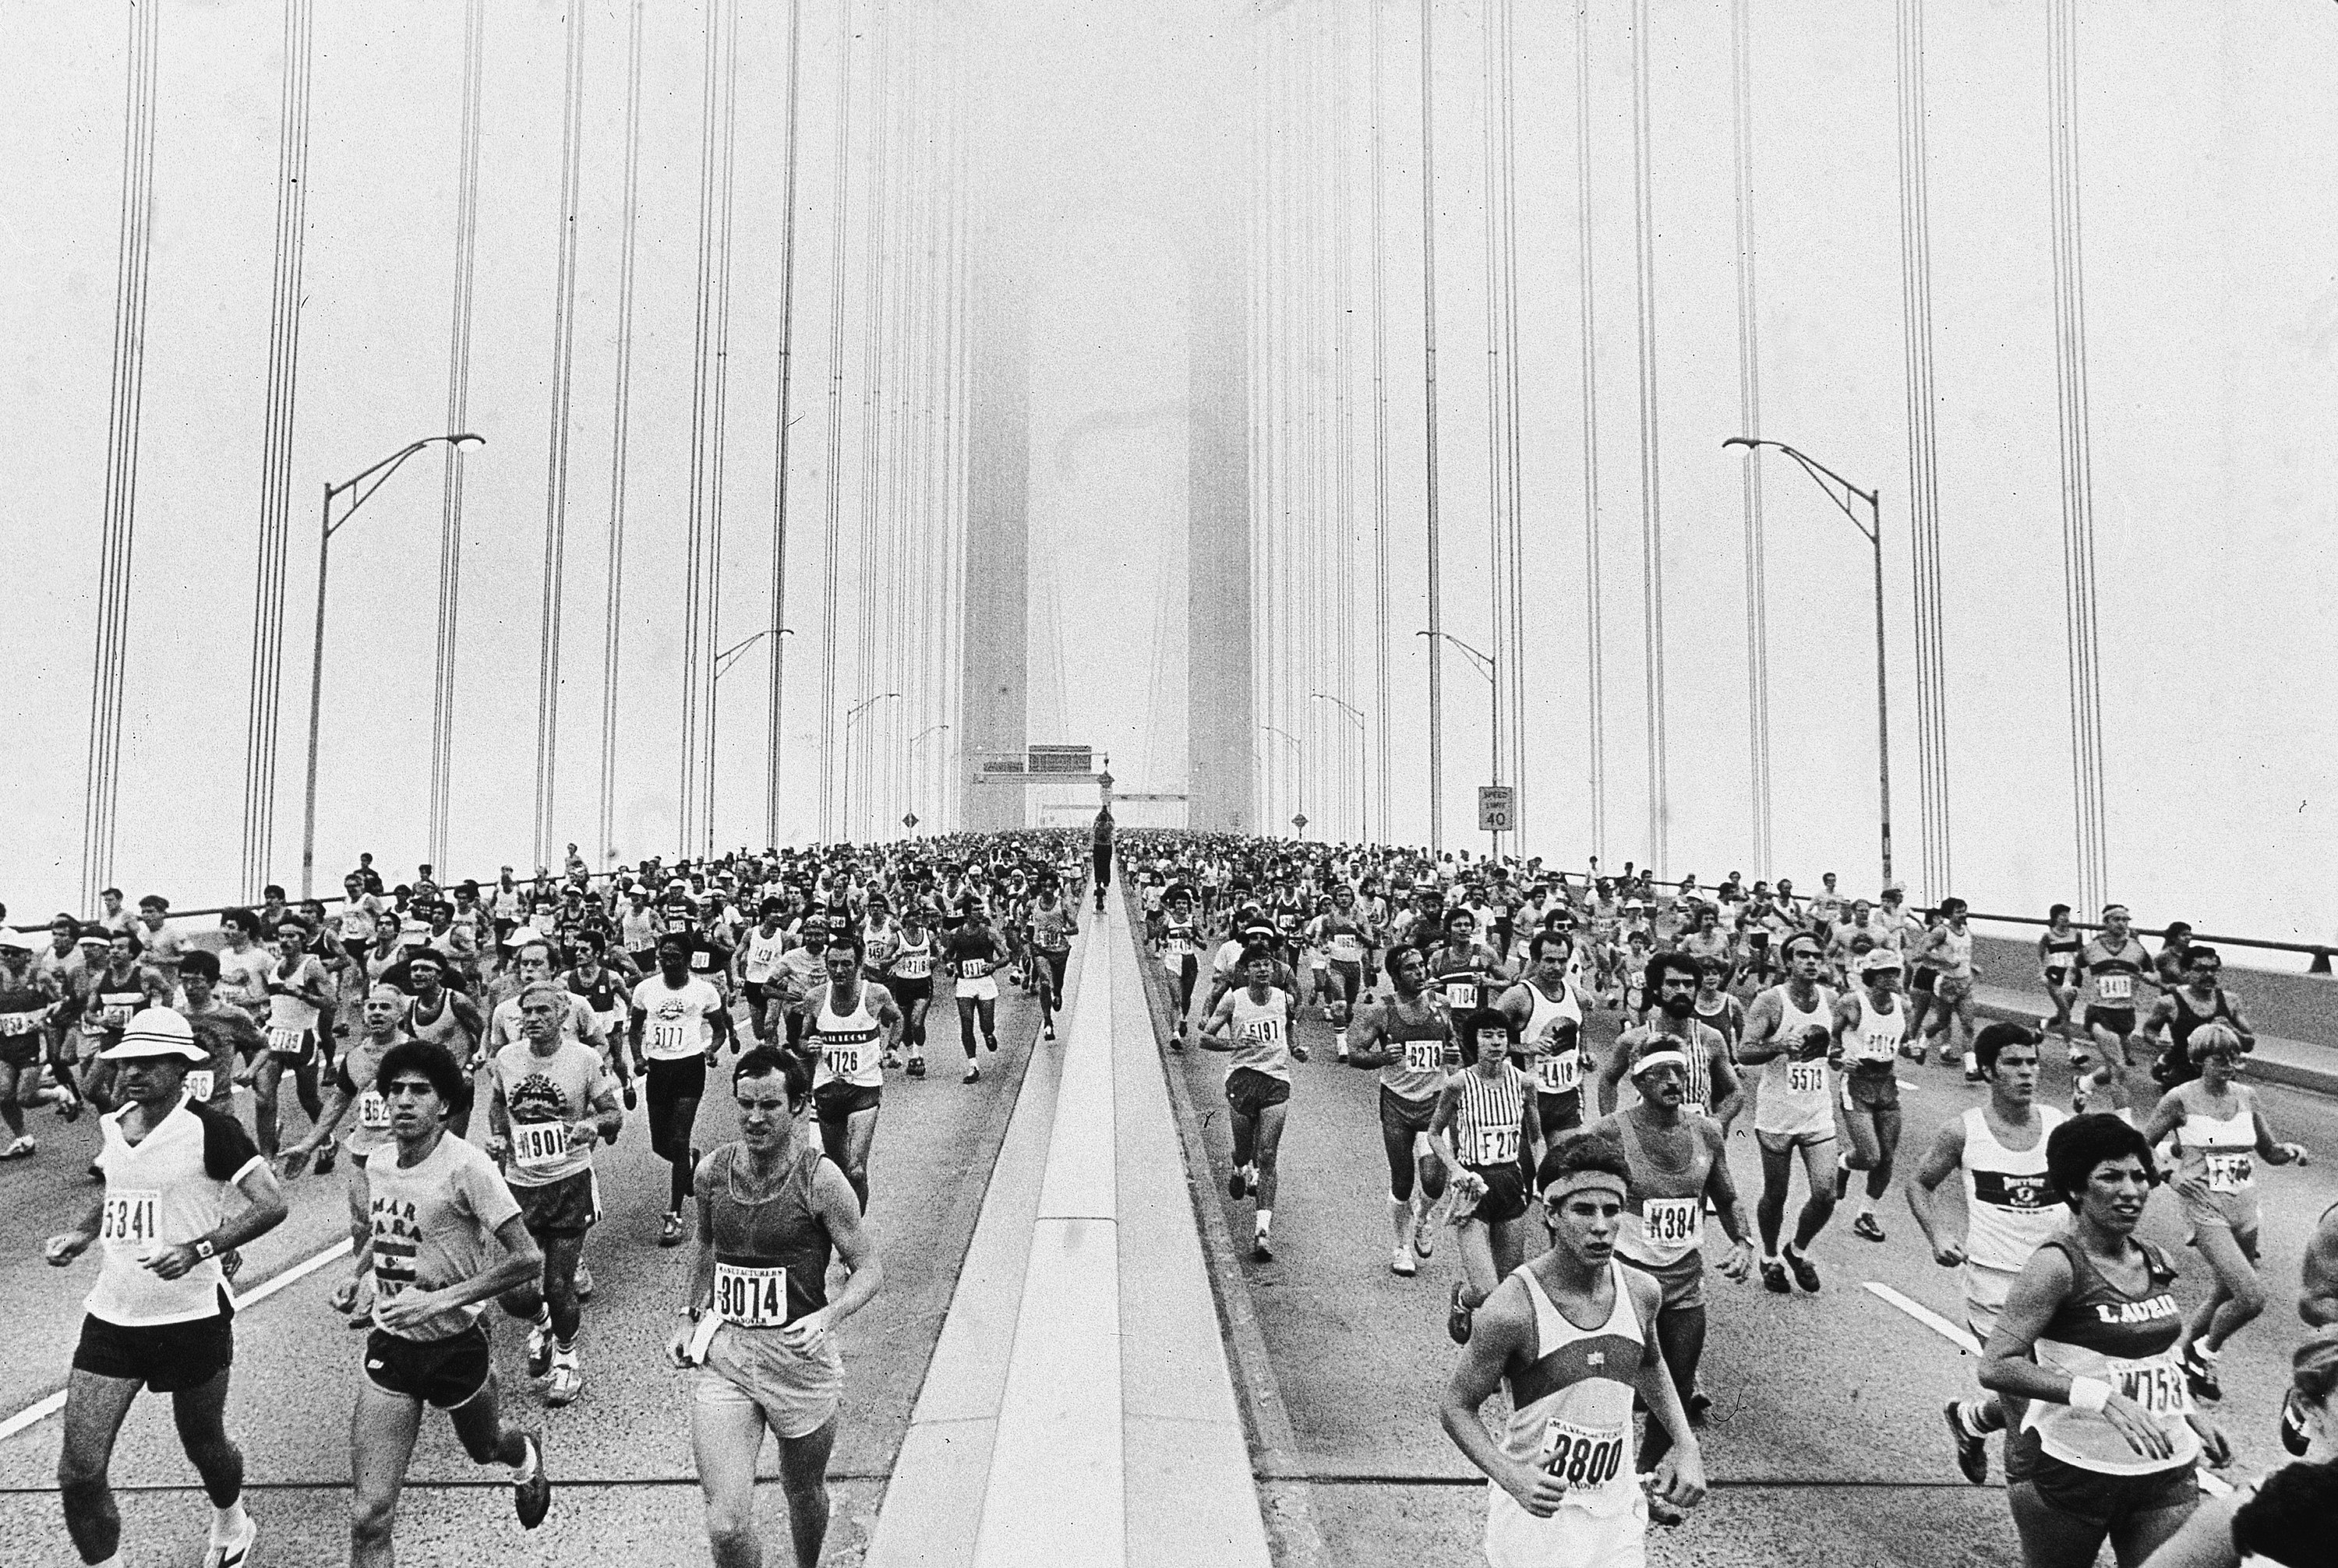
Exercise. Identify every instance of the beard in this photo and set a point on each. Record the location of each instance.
(1679, 1006)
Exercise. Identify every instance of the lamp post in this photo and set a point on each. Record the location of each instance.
(379, 474)
(1485, 665)
(729, 656)
(914, 740)
(1299, 758)
(1870, 530)
(850, 717)
(1363, 785)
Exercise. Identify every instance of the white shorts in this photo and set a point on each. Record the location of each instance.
(1985, 1293)
(1569, 1538)
(983, 990)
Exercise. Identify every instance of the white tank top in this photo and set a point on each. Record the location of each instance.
(1571, 1410)
(1556, 1070)
(763, 953)
(1794, 1094)
(1876, 1041)
(913, 960)
(2010, 1208)
(2222, 1150)
(1261, 1041)
(845, 1047)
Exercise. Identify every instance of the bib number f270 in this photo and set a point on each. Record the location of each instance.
(132, 1216)
(750, 1297)
(536, 1144)
(1580, 1456)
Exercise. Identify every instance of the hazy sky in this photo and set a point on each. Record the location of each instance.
(1103, 130)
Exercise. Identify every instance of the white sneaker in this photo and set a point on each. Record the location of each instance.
(236, 1552)
(1400, 1261)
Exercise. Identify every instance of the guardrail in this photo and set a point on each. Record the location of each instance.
(485, 890)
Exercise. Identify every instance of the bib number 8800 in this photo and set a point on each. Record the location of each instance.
(1581, 1458)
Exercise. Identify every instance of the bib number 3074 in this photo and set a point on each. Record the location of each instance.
(1580, 1458)
(750, 1297)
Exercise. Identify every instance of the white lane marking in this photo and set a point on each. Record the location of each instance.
(40, 1410)
(1961, 1338)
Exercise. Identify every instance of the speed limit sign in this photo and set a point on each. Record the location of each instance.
(1494, 805)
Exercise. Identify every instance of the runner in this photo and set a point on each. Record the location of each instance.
(448, 1019)
(2200, 999)
(26, 1006)
(762, 1338)
(758, 958)
(1259, 1025)
(691, 1025)
(2116, 964)
(299, 1013)
(1053, 923)
(1343, 936)
(1713, 1088)
(1867, 1039)
(1181, 956)
(1486, 1123)
(1100, 854)
(1947, 950)
(2088, 1341)
(1547, 1016)
(849, 1025)
(908, 973)
(1998, 1148)
(2220, 1133)
(552, 1101)
(2057, 967)
(440, 1235)
(160, 1316)
(1789, 1032)
(1679, 1165)
(1410, 1039)
(973, 951)
(1569, 1338)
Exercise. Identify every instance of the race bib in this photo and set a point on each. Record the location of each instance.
(2155, 1384)
(1347, 949)
(199, 1086)
(132, 1216)
(19, 1023)
(1582, 1456)
(1424, 1055)
(750, 1297)
(1806, 1077)
(287, 1042)
(2115, 987)
(1495, 1146)
(537, 1144)
(1560, 1073)
(114, 1016)
(1462, 995)
(1672, 1222)
(669, 1037)
(974, 968)
(2230, 1172)
(373, 1112)
(843, 1060)
(1261, 1030)
(914, 965)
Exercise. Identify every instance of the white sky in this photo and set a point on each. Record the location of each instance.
(2213, 313)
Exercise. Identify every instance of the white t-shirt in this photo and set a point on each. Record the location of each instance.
(679, 1022)
(165, 1191)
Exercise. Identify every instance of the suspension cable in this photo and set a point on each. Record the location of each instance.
(1436, 637)
(1652, 562)
(556, 511)
(621, 427)
(1382, 696)
(1594, 641)
(1514, 660)
(783, 423)
(1749, 402)
(832, 520)
(1916, 271)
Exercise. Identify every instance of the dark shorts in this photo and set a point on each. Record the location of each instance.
(168, 1357)
(908, 991)
(357, 952)
(755, 994)
(21, 1049)
(1400, 1117)
(1504, 1198)
(835, 1100)
(1921, 980)
(1056, 965)
(562, 1208)
(2108, 1500)
(1559, 1113)
(1250, 1092)
(2119, 1021)
(1875, 1090)
(670, 1082)
(1350, 979)
(305, 1054)
(445, 1372)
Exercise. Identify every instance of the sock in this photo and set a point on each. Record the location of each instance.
(1400, 1218)
(525, 1471)
(1339, 1041)
(563, 1352)
(543, 1320)
(1866, 1205)
(1769, 1257)
(1979, 1417)
(228, 1522)
(112, 1561)
(1265, 1221)
(1972, 1062)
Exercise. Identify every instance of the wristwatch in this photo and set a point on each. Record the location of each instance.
(204, 1250)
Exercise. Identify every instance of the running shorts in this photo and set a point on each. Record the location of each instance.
(21, 1049)
(1568, 1538)
(2100, 1499)
(756, 995)
(562, 1208)
(168, 1357)
(983, 990)
(1921, 981)
(1682, 1279)
(1559, 1113)
(1400, 1117)
(445, 1374)
(672, 1082)
(796, 1393)
(1504, 1199)
(905, 992)
(1350, 978)
(297, 1058)
(1865, 1090)
(1056, 963)
(1250, 1092)
(1953, 989)
(2119, 1021)
(836, 1100)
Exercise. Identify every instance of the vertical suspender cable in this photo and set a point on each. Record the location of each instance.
(721, 403)
(868, 614)
(102, 789)
(2078, 478)
(621, 427)
(1652, 525)
(1514, 659)
(458, 397)
(779, 437)
(1748, 405)
(555, 510)
(697, 653)
(1379, 832)
(1500, 512)
(1924, 517)
(832, 521)
(276, 449)
(1429, 391)
(1343, 485)
(1594, 642)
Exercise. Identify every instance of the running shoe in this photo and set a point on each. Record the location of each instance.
(1237, 1184)
(1258, 1247)
(1806, 1274)
(567, 1382)
(69, 1109)
(917, 1068)
(973, 1074)
(670, 1230)
(325, 1157)
(22, 1149)
(1424, 1235)
(990, 1042)
(1457, 1317)
(2200, 1375)
(1047, 1032)
(532, 1498)
(1400, 1261)
(539, 1350)
(233, 1554)
(1774, 1277)
(1972, 1451)
(1866, 1229)
(584, 1281)
(2294, 1435)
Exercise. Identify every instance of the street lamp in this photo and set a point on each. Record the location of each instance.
(328, 528)
(729, 656)
(1299, 757)
(1485, 665)
(857, 709)
(1872, 530)
(917, 739)
(1363, 785)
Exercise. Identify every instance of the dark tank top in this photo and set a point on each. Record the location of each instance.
(781, 1231)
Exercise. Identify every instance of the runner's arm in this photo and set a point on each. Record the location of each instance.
(2241, 1023)
(1762, 1041)
(1721, 1188)
(1440, 1124)
(1221, 1014)
(2273, 1150)
(1724, 1077)
(1939, 1163)
(839, 1212)
(608, 1114)
(1680, 1473)
(2165, 1116)
(2317, 1296)
(1501, 1333)
(1611, 1070)
(1367, 1043)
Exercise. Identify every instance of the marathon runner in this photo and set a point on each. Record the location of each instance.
(1998, 1148)
(1181, 956)
(2183, 1009)
(441, 1235)
(353, 1087)
(1867, 1039)
(684, 1023)
(1713, 1087)
(760, 1334)
(300, 1015)
(26, 1006)
(974, 951)
(2087, 1342)
(2285, 1517)
(1947, 950)
(1343, 936)
(758, 959)
(1053, 923)
(1569, 1338)
(849, 1024)
(1789, 1033)
(2058, 967)
(2115, 964)
(1547, 1017)
(159, 1317)
(1485, 1127)
(908, 973)
(1102, 853)
(1259, 1025)
(446, 1017)
(1408, 1038)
